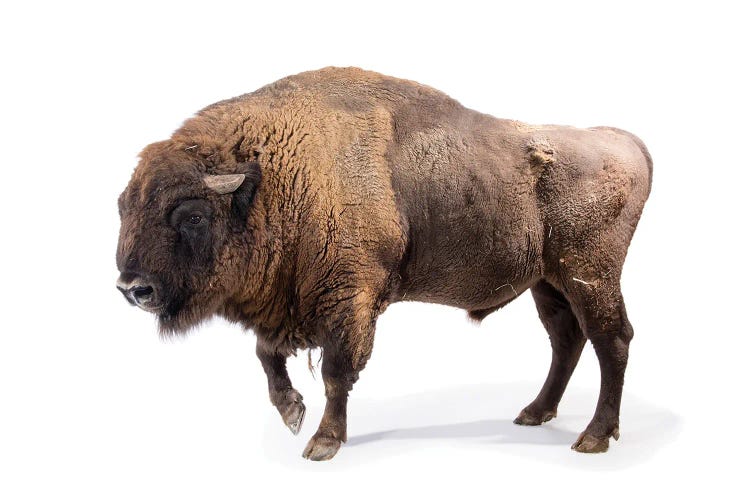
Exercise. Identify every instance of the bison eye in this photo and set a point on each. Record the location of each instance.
(192, 215)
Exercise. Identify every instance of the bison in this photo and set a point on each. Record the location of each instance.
(303, 209)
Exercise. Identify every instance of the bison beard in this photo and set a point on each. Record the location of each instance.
(304, 209)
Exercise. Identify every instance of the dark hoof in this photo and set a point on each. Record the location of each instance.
(292, 410)
(526, 417)
(321, 448)
(588, 443)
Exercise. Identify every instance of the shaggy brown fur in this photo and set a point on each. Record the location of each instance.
(362, 190)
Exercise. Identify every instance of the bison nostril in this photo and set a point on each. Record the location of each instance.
(141, 293)
(138, 291)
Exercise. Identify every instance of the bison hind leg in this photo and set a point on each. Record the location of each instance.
(567, 342)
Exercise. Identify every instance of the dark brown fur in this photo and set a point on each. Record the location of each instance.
(370, 190)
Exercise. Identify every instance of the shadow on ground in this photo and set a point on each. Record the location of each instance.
(482, 416)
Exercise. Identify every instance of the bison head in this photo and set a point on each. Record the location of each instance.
(183, 221)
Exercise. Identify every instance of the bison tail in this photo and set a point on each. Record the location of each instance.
(646, 154)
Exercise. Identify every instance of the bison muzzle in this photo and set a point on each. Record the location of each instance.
(302, 210)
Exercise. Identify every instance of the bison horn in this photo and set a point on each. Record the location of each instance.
(223, 184)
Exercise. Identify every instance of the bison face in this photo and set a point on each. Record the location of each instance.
(182, 223)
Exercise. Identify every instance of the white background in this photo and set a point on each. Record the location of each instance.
(94, 405)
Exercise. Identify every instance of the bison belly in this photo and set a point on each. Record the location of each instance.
(474, 236)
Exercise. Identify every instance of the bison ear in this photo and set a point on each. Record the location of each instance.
(242, 199)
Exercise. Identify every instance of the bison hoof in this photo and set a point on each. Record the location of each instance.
(588, 443)
(530, 417)
(321, 448)
(292, 410)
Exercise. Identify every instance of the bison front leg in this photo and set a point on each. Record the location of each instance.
(283, 396)
(344, 356)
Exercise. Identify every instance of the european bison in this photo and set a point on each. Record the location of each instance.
(304, 209)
